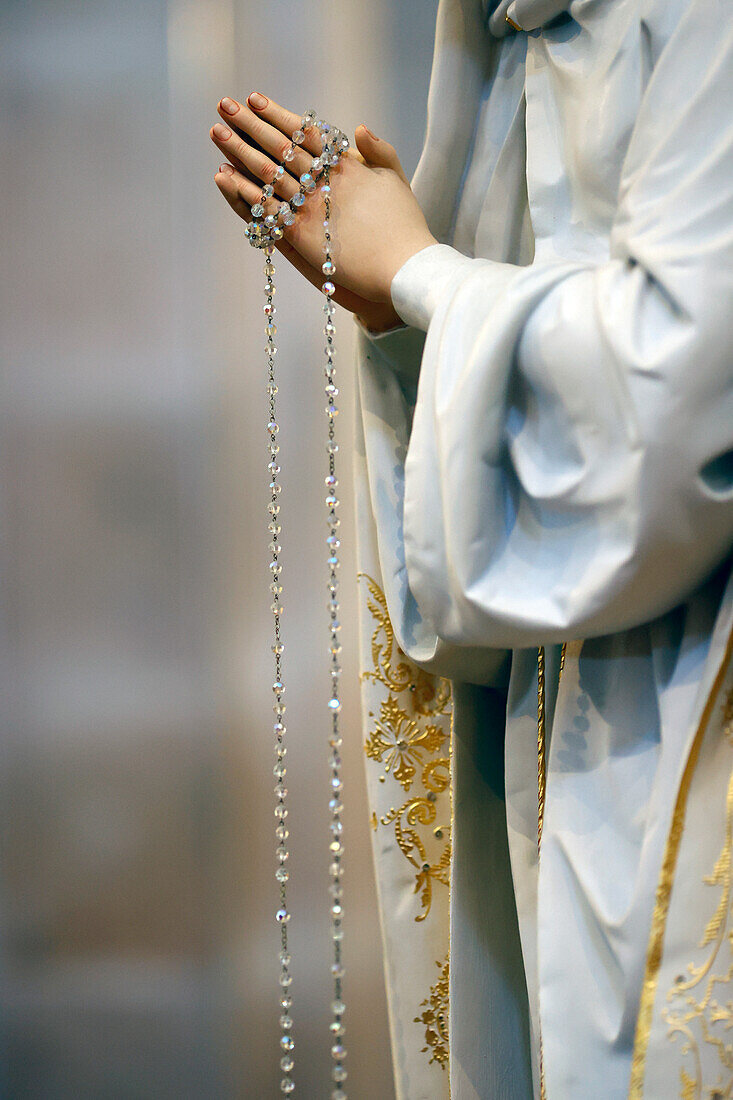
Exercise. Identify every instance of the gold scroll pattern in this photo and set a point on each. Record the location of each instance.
(435, 1017)
(695, 1014)
(409, 739)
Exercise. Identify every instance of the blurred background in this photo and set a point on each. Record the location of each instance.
(138, 947)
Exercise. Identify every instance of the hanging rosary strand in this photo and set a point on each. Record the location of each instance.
(265, 229)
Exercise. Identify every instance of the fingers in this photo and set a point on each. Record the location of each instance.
(268, 137)
(243, 156)
(240, 192)
(378, 153)
(284, 120)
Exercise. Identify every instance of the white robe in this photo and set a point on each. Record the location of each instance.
(547, 456)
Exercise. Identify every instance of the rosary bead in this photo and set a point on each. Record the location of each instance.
(268, 190)
(287, 1042)
(328, 268)
(258, 210)
(277, 233)
(298, 137)
(270, 220)
(297, 200)
(328, 288)
(289, 154)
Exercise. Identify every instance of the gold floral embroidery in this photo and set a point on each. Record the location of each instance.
(411, 740)
(402, 741)
(430, 694)
(435, 1017)
(694, 1012)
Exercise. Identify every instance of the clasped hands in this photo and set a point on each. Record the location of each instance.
(376, 221)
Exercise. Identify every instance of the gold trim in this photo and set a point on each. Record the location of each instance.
(664, 890)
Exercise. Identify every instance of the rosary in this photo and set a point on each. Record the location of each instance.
(264, 229)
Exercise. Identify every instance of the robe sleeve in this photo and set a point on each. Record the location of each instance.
(569, 469)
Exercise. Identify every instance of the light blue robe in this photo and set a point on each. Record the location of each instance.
(546, 456)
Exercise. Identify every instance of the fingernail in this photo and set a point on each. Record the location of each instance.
(229, 105)
(222, 132)
(371, 135)
(257, 100)
(226, 169)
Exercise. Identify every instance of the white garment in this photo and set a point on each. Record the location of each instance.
(556, 463)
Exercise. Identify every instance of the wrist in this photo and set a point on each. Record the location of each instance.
(399, 257)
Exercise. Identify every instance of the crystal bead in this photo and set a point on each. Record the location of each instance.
(258, 210)
(281, 832)
(338, 1094)
(289, 154)
(336, 784)
(277, 233)
(279, 709)
(270, 289)
(282, 853)
(286, 1042)
(278, 687)
(316, 164)
(328, 268)
(334, 705)
(282, 875)
(298, 137)
(333, 159)
(332, 480)
(276, 608)
(297, 200)
(281, 812)
(326, 189)
(268, 309)
(285, 980)
(287, 1084)
(332, 540)
(286, 1022)
(310, 186)
(284, 958)
(286, 1001)
(282, 917)
(328, 287)
(338, 1007)
(337, 971)
(332, 447)
(335, 806)
(279, 172)
(336, 1028)
(337, 935)
(339, 1074)
(275, 567)
(268, 190)
(270, 220)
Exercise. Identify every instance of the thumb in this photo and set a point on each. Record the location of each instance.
(378, 153)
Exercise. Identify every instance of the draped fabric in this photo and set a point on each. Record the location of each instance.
(546, 456)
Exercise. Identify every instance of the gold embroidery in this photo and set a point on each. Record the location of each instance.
(435, 1017)
(686, 1011)
(407, 745)
(402, 741)
(430, 694)
(664, 890)
(409, 741)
